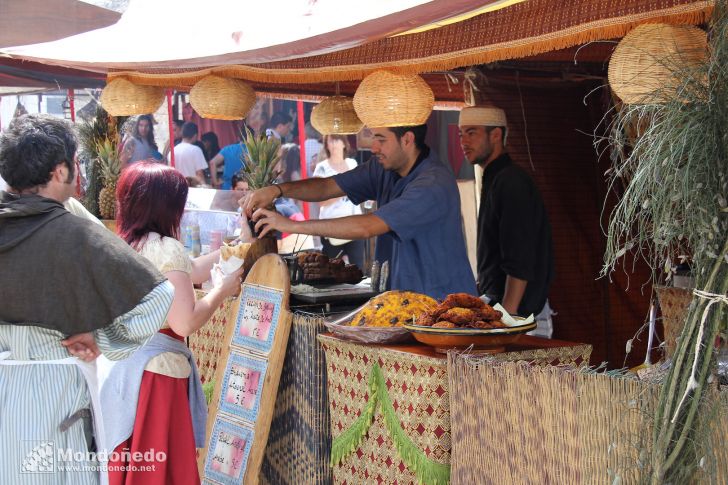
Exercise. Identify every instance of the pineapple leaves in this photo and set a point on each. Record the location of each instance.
(261, 160)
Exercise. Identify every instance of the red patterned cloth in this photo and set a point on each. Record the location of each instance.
(163, 416)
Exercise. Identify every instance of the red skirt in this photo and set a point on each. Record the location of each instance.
(163, 424)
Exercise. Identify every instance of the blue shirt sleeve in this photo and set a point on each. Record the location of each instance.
(229, 152)
(423, 202)
(360, 183)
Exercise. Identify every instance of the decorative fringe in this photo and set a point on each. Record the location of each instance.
(427, 471)
(695, 13)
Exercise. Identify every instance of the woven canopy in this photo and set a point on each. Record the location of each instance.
(646, 65)
(220, 98)
(336, 116)
(327, 47)
(124, 98)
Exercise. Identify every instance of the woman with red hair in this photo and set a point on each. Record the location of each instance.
(154, 408)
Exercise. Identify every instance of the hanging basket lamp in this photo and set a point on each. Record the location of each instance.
(124, 98)
(222, 98)
(384, 99)
(646, 65)
(336, 116)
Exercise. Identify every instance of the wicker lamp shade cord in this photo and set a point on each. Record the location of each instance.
(336, 116)
(646, 64)
(124, 98)
(384, 99)
(222, 98)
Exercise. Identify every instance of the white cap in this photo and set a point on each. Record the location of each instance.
(482, 116)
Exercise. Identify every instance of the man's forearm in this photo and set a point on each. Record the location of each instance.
(312, 190)
(352, 227)
(515, 288)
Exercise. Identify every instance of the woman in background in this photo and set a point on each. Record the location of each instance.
(154, 399)
(336, 148)
(140, 145)
(210, 144)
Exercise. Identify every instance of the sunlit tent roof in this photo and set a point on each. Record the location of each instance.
(33, 21)
(306, 42)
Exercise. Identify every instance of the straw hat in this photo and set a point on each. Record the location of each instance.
(124, 98)
(646, 63)
(336, 116)
(222, 98)
(482, 116)
(384, 99)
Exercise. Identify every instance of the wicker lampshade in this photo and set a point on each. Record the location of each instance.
(124, 98)
(385, 99)
(222, 98)
(336, 116)
(646, 65)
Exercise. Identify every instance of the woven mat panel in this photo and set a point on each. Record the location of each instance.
(418, 388)
(206, 343)
(714, 452)
(720, 438)
(514, 423)
(674, 304)
(299, 443)
(577, 355)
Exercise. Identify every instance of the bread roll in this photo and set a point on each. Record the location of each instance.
(239, 251)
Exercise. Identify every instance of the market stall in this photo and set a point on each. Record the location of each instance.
(371, 398)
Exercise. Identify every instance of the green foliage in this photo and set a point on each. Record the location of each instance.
(260, 167)
(428, 472)
(674, 208)
(208, 388)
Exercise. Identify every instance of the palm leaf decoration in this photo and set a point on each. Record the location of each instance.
(260, 167)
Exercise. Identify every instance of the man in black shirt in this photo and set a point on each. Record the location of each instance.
(515, 256)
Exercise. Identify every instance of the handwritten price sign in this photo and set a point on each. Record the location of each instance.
(257, 319)
(229, 450)
(242, 387)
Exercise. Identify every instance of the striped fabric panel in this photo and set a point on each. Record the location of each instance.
(135, 328)
(35, 399)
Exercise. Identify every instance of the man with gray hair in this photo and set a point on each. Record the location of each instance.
(70, 288)
(514, 250)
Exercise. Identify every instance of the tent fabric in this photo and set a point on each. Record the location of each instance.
(326, 49)
(41, 21)
(28, 74)
(33, 21)
(242, 32)
(521, 30)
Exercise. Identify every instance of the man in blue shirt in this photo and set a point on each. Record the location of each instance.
(417, 223)
(232, 158)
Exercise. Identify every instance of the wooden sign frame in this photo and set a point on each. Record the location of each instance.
(247, 377)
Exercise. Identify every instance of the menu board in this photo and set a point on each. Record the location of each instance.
(246, 380)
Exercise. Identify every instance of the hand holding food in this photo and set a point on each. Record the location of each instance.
(239, 250)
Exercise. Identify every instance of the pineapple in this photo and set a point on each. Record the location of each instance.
(260, 169)
(261, 160)
(108, 160)
(93, 130)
